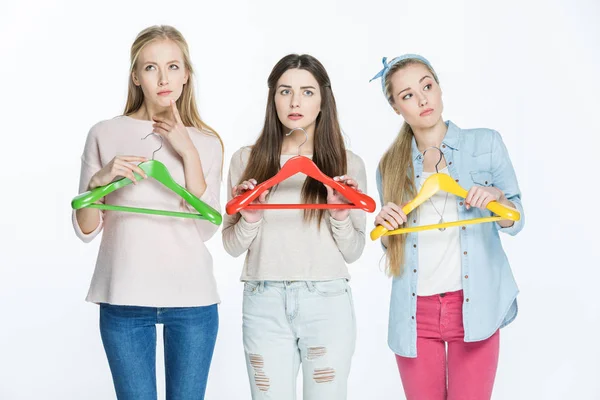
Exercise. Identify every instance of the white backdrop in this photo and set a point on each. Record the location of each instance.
(527, 70)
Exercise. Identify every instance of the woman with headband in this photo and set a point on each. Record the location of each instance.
(453, 286)
(297, 306)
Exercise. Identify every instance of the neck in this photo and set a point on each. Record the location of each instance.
(147, 111)
(431, 136)
(292, 142)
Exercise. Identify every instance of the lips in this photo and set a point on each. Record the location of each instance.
(165, 93)
(426, 112)
(295, 116)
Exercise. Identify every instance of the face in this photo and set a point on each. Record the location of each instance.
(160, 72)
(297, 99)
(417, 96)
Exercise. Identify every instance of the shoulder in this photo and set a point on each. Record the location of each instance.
(205, 140)
(354, 161)
(480, 140)
(108, 125)
(241, 156)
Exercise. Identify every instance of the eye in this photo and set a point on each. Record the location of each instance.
(174, 66)
(427, 87)
(308, 93)
(408, 96)
(149, 67)
(285, 92)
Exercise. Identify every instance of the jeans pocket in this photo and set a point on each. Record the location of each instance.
(250, 288)
(335, 287)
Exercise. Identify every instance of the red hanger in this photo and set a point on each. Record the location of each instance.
(300, 164)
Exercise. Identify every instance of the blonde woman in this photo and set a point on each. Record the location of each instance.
(153, 269)
(452, 287)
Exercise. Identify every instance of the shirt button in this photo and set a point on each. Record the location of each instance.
(413, 295)
(461, 203)
(414, 221)
(415, 246)
(466, 276)
(418, 176)
(467, 300)
(450, 163)
(456, 180)
(465, 253)
(486, 182)
(413, 317)
(414, 270)
(464, 227)
(443, 146)
(442, 294)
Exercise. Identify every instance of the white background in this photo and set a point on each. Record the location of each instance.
(527, 69)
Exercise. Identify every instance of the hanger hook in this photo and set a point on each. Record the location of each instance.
(305, 134)
(441, 156)
(161, 142)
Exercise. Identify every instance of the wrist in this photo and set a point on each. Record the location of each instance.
(93, 184)
(189, 154)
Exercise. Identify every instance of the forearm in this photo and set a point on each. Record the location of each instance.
(194, 175)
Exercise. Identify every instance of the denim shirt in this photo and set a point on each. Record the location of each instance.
(474, 157)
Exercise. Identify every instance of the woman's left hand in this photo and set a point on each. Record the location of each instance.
(334, 197)
(481, 196)
(171, 128)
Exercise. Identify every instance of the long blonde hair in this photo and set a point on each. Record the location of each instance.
(397, 173)
(186, 104)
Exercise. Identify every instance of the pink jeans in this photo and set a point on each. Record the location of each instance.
(466, 372)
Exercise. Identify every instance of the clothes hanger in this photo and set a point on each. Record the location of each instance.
(300, 164)
(431, 186)
(157, 170)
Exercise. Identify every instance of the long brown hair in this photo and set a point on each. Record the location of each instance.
(329, 153)
(186, 104)
(397, 172)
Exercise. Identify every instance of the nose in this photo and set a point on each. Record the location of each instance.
(163, 79)
(295, 101)
(422, 100)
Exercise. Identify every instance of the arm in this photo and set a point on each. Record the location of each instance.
(203, 180)
(88, 222)
(505, 179)
(349, 233)
(238, 234)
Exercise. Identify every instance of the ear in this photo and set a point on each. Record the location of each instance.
(187, 76)
(136, 81)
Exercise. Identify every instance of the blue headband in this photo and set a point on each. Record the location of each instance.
(386, 66)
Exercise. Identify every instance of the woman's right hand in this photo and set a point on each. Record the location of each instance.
(118, 166)
(250, 216)
(391, 217)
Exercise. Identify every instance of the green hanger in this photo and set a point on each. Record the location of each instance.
(157, 170)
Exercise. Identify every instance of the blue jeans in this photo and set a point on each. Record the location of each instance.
(291, 324)
(129, 338)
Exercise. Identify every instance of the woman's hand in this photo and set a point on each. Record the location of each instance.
(391, 217)
(118, 166)
(250, 216)
(481, 196)
(171, 128)
(334, 197)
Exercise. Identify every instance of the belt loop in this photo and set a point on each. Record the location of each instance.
(261, 286)
(310, 285)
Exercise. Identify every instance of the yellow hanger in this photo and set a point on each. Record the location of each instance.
(431, 186)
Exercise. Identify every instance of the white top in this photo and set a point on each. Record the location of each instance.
(439, 251)
(282, 246)
(150, 260)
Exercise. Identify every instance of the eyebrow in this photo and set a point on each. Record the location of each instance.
(169, 62)
(301, 87)
(408, 88)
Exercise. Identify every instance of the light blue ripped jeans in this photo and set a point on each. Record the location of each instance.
(286, 324)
